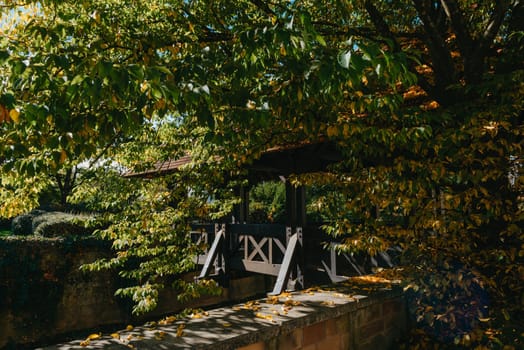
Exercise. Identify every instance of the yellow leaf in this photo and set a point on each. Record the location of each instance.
(94, 336)
(85, 343)
(129, 327)
(332, 130)
(180, 330)
(144, 86)
(167, 320)
(15, 115)
(226, 324)
(265, 317)
(283, 50)
(115, 335)
(160, 335)
(272, 300)
(345, 130)
(291, 302)
(96, 16)
(63, 156)
(251, 105)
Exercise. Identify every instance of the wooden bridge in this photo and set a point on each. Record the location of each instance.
(293, 253)
(275, 250)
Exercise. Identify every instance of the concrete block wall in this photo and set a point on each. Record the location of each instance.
(331, 318)
(372, 327)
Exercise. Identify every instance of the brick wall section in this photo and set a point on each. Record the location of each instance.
(372, 327)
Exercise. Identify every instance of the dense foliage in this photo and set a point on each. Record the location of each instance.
(423, 98)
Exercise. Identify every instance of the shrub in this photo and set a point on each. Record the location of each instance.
(53, 224)
(22, 225)
(5, 224)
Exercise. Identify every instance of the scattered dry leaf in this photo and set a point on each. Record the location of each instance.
(251, 305)
(160, 335)
(273, 300)
(129, 327)
(94, 336)
(262, 316)
(167, 320)
(180, 330)
(291, 302)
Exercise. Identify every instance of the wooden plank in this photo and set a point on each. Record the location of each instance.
(261, 267)
(212, 254)
(287, 265)
(280, 245)
(257, 230)
(257, 249)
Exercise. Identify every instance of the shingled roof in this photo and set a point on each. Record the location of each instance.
(280, 160)
(161, 168)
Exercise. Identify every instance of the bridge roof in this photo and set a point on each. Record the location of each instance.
(276, 161)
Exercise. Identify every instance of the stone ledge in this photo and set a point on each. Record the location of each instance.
(261, 321)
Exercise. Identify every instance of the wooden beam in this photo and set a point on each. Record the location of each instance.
(287, 265)
(213, 253)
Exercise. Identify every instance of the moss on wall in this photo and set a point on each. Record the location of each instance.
(35, 274)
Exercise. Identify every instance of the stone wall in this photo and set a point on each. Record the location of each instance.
(331, 318)
(44, 296)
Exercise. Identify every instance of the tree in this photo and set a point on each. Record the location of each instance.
(424, 99)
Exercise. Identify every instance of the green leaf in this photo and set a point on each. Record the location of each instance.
(344, 58)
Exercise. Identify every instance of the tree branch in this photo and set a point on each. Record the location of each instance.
(380, 24)
(444, 70)
(494, 23)
(263, 6)
(454, 14)
(105, 149)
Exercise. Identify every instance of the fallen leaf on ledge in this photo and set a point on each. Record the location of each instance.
(160, 335)
(94, 336)
(180, 330)
(262, 316)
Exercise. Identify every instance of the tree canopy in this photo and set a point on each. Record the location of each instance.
(423, 98)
